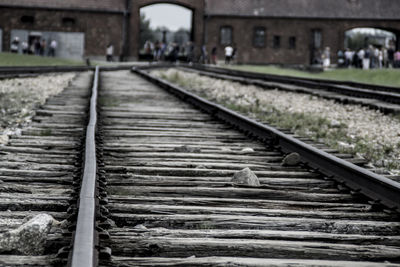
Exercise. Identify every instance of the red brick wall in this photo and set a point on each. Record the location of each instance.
(111, 5)
(99, 28)
(332, 36)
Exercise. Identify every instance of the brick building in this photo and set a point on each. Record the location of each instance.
(264, 31)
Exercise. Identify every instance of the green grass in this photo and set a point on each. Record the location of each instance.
(389, 77)
(14, 60)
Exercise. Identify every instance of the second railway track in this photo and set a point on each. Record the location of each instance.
(39, 171)
(164, 195)
(383, 98)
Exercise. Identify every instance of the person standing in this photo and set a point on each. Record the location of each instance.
(385, 57)
(380, 58)
(214, 55)
(234, 53)
(163, 46)
(397, 59)
(204, 55)
(109, 52)
(360, 55)
(190, 56)
(175, 53)
(390, 53)
(25, 47)
(355, 60)
(53, 47)
(37, 46)
(326, 58)
(42, 47)
(157, 51)
(340, 58)
(374, 57)
(228, 54)
(347, 58)
(15, 45)
(366, 61)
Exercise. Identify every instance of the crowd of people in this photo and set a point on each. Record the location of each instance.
(371, 57)
(188, 52)
(36, 46)
(162, 51)
(366, 58)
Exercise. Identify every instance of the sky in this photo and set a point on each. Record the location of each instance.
(171, 16)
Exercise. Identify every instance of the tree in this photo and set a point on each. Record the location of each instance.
(146, 33)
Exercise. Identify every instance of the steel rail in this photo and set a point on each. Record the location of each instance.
(8, 71)
(43, 69)
(377, 187)
(295, 80)
(18, 76)
(84, 253)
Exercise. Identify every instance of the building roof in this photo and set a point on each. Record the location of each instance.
(341, 9)
(338, 9)
(103, 5)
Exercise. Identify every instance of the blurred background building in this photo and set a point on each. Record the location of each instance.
(262, 31)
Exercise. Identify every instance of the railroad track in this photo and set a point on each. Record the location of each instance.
(383, 98)
(38, 173)
(32, 71)
(164, 195)
(24, 72)
(297, 80)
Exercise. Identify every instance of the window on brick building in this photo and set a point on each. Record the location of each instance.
(316, 38)
(226, 35)
(276, 43)
(316, 45)
(28, 19)
(68, 22)
(259, 37)
(292, 42)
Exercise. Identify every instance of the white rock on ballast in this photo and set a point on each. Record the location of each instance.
(29, 238)
(291, 159)
(245, 177)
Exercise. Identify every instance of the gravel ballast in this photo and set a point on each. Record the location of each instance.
(19, 97)
(350, 128)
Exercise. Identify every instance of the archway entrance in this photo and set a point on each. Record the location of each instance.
(196, 8)
(369, 48)
(358, 38)
(166, 32)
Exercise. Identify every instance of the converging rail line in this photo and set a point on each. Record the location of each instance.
(298, 80)
(384, 98)
(155, 189)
